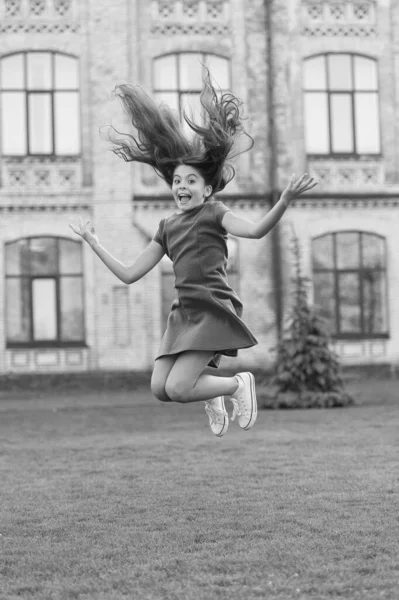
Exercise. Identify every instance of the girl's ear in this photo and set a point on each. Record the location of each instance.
(208, 191)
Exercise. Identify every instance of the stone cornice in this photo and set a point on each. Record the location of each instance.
(381, 200)
(40, 208)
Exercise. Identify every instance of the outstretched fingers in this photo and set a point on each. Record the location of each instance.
(80, 228)
(305, 183)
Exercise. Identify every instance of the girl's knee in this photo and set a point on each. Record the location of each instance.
(178, 391)
(158, 390)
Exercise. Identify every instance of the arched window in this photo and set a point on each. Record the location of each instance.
(350, 283)
(44, 292)
(341, 105)
(39, 104)
(168, 292)
(178, 79)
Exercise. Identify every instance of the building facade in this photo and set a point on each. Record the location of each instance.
(318, 82)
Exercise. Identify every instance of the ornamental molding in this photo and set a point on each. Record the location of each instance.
(40, 27)
(190, 29)
(339, 18)
(190, 17)
(40, 208)
(162, 203)
(347, 175)
(39, 16)
(45, 175)
(347, 202)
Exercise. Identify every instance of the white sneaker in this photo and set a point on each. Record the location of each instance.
(218, 417)
(244, 401)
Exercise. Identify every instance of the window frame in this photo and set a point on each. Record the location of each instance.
(203, 56)
(58, 343)
(352, 92)
(51, 93)
(362, 335)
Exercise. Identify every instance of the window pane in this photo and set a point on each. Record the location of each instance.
(166, 265)
(12, 72)
(373, 250)
(339, 73)
(191, 106)
(374, 302)
(43, 254)
(365, 73)
(17, 258)
(70, 257)
(66, 72)
(72, 325)
(165, 73)
(44, 309)
(341, 123)
(324, 298)
(219, 70)
(39, 70)
(323, 252)
(40, 139)
(232, 251)
(191, 76)
(121, 316)
(349, 303)
(13, 123)
(316, 123)
(348, 246)
(367, 121)
(169, 98)
(315, 73)
(18, 309)
(66, 117)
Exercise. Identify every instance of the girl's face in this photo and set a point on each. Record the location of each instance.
(188, 188)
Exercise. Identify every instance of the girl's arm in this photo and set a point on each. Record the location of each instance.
(248, 229)
(128, 274)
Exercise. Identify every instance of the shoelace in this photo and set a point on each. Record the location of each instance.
(216, 416)
(239, 408)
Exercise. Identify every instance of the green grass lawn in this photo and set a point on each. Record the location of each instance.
(111, 496)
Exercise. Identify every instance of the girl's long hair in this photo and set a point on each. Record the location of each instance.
(159, 139)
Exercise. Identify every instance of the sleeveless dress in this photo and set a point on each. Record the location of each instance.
(207, 312)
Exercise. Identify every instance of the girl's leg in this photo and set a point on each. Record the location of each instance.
(162, 368)
(186, 381)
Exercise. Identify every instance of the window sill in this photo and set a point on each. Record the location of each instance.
(44, 345)
(342, 157)
(359, 337)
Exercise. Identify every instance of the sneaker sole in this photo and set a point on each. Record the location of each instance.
(254, 404)
(225, 428)
(225, 425)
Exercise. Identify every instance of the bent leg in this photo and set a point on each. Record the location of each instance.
(187, 382)
(162, 368)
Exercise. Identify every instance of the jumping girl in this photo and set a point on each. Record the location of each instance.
(205, 320)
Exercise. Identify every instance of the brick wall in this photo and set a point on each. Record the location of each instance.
(116, 43)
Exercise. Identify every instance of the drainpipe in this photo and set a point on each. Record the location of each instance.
(274, 192)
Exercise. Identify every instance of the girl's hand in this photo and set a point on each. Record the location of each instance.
(82, 229)
(295, 188)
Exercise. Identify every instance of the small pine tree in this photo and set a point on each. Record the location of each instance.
(307, 370)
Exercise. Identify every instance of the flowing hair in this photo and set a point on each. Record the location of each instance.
(159, 139)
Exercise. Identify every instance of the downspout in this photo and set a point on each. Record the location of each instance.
(274, 192)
